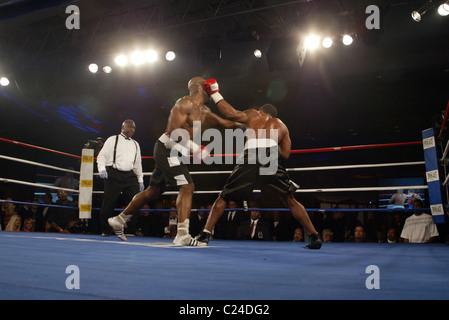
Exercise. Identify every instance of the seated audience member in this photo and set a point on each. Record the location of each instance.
(392, 235)
(359, 235)
(228, 224)
(14, 223)
(281, 227)
(328, 235)
(336, 221)
(255, 228)
(28, 225)
(298, 235)
(64, 220)
(7, 210)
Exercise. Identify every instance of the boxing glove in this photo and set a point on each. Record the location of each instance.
(211, 87)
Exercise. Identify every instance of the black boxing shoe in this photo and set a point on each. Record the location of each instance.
(315, 241)
(203, 238)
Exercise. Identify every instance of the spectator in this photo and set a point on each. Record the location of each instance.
(298, 235)
(68, 181)
(337, 223)
(328, 235)
(47, 227)
(228, 225)
(43, 212)
(419, 227)
(63, 219)
(392, 235)
(396, 221)
(29, 211)
(281, 229)
(28, 225)
(14, 223)
(359, 235)
(8, 209)
(254, 228)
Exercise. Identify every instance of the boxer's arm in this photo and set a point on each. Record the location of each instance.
(228, 111)
(231, 113)
(285, 145)
(214, 120)
(283, 136)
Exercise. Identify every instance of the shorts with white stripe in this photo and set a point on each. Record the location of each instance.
(169, 171)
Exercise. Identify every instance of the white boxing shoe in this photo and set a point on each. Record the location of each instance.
(187, 240)
(118, 228)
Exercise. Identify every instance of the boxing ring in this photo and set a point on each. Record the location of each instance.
(40, 265)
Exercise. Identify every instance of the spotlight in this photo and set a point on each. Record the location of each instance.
(417, 14)
(347, 40)
(121, 60)
(312, 42)
(93, 67)
(443, 9)
(170, 56)
(4, 81)
(137, 58)
(151, 55)
(258, 53)
(327, 42)
(107, 69)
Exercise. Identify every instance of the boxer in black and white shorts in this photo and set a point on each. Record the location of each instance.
(269, 134)
(170, 171)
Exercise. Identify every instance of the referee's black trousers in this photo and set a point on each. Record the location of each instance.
(117, 182)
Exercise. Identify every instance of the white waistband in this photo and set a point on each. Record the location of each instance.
(169, 143)
(260, 143)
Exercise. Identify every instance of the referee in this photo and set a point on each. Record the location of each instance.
(120, 165)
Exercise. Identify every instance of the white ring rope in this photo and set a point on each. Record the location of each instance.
(38, 185)
(321, 190)
(37, 164)
(358, 166)
(353, 166)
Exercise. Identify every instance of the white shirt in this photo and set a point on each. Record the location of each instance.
(127, 156)
(418, 229)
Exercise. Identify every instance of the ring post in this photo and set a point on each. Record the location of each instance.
(86, 184)
(432, 176)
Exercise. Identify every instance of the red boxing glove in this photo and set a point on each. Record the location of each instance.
(211, 87)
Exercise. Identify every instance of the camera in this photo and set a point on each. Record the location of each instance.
(95, 144)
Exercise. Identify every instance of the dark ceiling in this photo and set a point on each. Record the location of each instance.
(386, 87)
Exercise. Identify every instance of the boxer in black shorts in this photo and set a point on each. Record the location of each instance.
(270, 137)
(169, 170)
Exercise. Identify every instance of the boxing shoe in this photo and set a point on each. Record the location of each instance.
(118, 227)
(203, 238)
(187, 240)
(315, 241)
